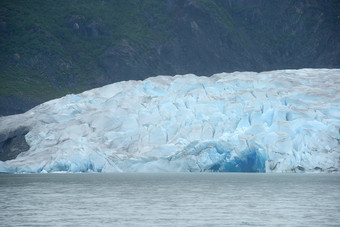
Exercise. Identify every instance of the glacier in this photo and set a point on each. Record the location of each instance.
(277, 121)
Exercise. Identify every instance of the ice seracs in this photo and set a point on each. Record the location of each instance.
(278, 121)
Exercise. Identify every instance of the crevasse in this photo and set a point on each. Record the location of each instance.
(278, 121)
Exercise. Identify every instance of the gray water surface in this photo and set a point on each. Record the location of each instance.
(176, 199)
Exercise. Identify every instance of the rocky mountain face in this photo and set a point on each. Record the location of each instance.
(51, 48)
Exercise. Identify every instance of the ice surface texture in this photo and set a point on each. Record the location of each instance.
(278, 121)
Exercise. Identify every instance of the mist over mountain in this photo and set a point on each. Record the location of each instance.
(52, 48)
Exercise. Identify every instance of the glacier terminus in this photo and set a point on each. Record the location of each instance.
(277, 121)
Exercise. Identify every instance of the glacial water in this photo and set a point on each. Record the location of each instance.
(170, 199)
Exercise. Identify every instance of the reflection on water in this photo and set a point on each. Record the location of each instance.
(177, 199)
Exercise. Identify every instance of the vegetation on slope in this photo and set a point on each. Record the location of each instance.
(55, 45)
(51, 48)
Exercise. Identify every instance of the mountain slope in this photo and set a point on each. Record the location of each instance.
(51, 48)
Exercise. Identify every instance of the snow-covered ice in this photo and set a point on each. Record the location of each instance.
(278, 121)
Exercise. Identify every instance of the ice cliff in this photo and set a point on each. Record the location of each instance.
(278, 121)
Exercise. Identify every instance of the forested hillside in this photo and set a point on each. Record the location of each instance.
(50, 48)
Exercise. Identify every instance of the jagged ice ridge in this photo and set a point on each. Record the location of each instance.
(278, 121)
